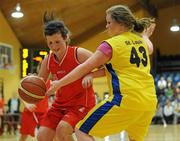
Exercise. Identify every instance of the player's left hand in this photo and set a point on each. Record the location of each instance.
(53, 88)
(149, 31)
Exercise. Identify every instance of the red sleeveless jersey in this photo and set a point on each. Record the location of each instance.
(73, 94)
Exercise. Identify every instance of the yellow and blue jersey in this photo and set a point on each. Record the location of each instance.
(132, 100)
(128, 72)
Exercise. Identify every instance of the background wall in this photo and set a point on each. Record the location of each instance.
(11, 77)
(168, 42)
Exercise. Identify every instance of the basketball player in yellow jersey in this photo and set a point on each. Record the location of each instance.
(132, 100)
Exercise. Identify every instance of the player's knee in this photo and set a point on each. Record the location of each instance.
(63, 130)
(77, 133)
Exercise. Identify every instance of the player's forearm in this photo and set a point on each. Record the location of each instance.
(98, 73)
(74, 75)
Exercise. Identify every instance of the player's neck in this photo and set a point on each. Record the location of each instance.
(60, 55)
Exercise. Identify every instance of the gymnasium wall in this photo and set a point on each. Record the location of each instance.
(11, 76)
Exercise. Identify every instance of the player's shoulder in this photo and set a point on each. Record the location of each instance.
(82, 51)
(82, 54)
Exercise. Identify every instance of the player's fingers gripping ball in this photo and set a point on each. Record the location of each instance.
(32, 89)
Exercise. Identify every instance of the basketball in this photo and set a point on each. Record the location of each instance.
(32, 89)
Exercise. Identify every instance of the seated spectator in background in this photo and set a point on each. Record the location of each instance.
(159, 118)
(176, 108)
(14, 109)
(169, 93)
(97, 98)
(161, 85)
(162, 100)
(169, 82)
(177, 89)
(168, 112)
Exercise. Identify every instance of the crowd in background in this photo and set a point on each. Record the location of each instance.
(168, 94)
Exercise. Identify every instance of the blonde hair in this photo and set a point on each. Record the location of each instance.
(147, 21)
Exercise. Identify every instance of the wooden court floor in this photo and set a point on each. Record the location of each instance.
(156, 133)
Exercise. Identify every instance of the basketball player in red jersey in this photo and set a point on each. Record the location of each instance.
(72, 102)
(32, 115)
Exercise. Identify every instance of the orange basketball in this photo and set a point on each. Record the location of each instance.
(32, 89)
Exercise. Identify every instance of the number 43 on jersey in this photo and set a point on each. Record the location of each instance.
(135, 59)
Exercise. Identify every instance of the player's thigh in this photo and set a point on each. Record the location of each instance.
(138, 130)
(52, 118)
(74, 115)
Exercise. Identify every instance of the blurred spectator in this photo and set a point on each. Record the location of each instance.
(168, 112)
(14, 111)
(106, 95)
(176, 108)
(169, 93)
(169, 82)
(97, 98)
(14, 104)
(177, 89)
(161, 85)
(162, 100)
(159, 118)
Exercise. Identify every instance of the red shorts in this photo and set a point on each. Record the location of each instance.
(71, 115)
(29, 123)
